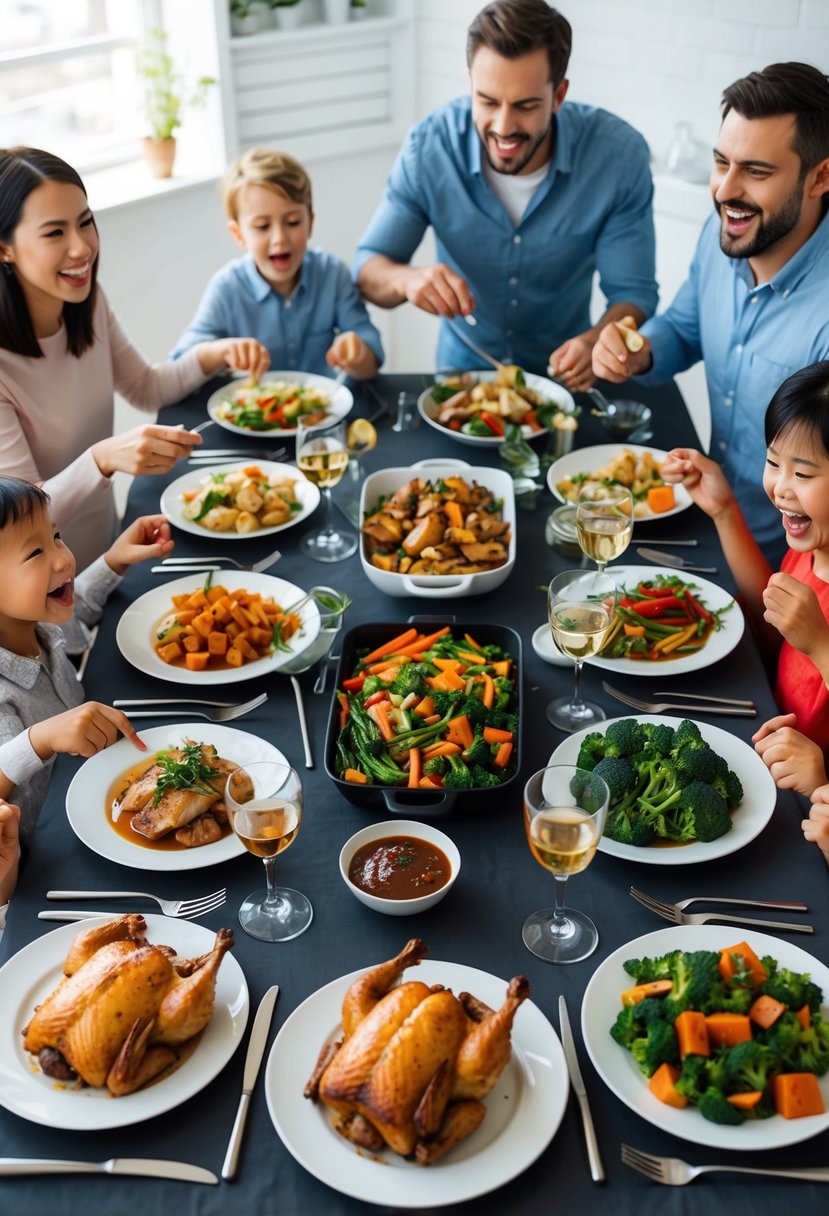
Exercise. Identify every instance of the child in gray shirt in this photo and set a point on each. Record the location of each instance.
(42, 711)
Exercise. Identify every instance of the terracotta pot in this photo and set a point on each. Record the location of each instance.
(160, 154)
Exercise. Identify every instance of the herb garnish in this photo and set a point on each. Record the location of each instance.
(188, 773)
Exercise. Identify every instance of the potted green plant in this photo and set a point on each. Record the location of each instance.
(286, 14)
(166, 96)
(243, 19)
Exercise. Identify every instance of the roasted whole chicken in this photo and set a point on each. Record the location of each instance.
(124, 1009)
(414, 1061)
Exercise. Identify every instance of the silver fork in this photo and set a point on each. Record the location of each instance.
(702, 707)
(682, 904)
(675, 1172)
(698, 696)
(183, 909)
(219, 455)
(222, 712)
(197, 565)
(676, 916)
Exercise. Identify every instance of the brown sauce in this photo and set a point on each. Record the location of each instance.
(121, 823)
(399, 867)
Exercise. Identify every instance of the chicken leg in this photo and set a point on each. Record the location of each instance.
(486, 1049)
(188, 1003)
(369, 988)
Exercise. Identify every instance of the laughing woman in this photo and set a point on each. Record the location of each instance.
(63, 355)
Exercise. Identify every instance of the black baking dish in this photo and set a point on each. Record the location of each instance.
(400, 800)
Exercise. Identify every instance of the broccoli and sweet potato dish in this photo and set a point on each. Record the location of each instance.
(737, 1036)
(429, 711)
(665, 783)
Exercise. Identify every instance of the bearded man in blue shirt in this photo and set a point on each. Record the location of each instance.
(755, 306)
(528, 196)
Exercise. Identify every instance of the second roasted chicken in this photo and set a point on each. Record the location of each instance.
(414, 1062)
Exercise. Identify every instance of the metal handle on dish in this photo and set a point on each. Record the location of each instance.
(442, 802)
(444, 592)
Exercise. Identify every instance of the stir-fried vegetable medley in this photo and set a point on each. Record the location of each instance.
(737, 1036)
(664, 783)
(661, 618)
(429, 711)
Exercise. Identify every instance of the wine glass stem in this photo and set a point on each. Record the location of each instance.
(326, 529)
(271, 899)
(560, 926)
(601, 566)
(577, 703)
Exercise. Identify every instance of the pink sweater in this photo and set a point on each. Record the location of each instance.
(52, 410)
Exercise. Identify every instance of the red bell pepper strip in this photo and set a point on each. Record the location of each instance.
(354, 683)
(654, 592)
(654, 607)
(375, 698)
(696, 608)
(494, 424)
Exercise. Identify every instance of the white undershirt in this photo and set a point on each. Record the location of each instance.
(515, 190)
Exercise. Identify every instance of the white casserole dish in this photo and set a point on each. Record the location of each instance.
(438, 586)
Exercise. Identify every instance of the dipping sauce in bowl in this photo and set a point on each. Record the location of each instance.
(399, 867)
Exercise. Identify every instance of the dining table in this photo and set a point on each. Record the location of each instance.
(477, 925)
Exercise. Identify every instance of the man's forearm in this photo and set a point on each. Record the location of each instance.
(382, 281)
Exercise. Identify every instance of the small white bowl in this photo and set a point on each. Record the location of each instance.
(399, 827)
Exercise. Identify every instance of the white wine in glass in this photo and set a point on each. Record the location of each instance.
(580, 607)
(564, 814)
(322, 456)
(604, 523)
(264, 804)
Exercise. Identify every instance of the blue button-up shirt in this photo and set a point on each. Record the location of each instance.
(297, 329)
(531, 283)
(751, 339)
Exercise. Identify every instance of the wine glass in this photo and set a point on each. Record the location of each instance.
(580, 606)
(604, 522)
(361, 437)
(564, 813)
(264, 804)
(322, 455)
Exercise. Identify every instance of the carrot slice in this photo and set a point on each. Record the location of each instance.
(415, 768)
(423, 643)
(663, 1086)
(797, 1094)
(403, 639)
(692, 1034)
(765, 1011)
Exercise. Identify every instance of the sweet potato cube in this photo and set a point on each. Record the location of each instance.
(197, 662)
(217, 643)
(170, 653)
(234, 657)
(197, 599)
(204, 623)
(797, 1094)
(192, 643)
(214, 594)
(243, 645)
(240, 616)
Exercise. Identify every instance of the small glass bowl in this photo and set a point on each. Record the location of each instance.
(560, 530)
(623, 418)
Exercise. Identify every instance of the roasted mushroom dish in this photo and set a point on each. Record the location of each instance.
(243, 500)
(125, 1010)
(414, 1061)
(487, 408)
(437, 527)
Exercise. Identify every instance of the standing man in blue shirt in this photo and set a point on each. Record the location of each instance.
(755, 306)
(527, 196)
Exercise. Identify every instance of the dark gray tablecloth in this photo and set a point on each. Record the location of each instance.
(478, 924)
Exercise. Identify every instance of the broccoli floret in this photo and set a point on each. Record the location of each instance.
(436, 767)
(699, 1073)
(790, 988)
(652, 1009)
(623, 738)
(692, 973)
(485, 778)
(728, 998)
(687, 732)
(660, 789)
(731, 788)
(702, 813)
(715, 1107)
(749, 1066)
(617, 774)
(479, 751)
(628, 828)
(592, 749)
(371, 685)
(811, 1051)
(783, 1037)
(701, 764)
(504, 689)
(628, 1026)
(644, 970)
(501, 719)
(660, 737)
(658, 1046)
(458, 776)
(409, 680)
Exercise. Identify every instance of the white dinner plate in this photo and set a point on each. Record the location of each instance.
(137, 627)
(524, 1108)
(546, 649)
(719, 644)
(428, 408)
(748, 820)
(172, 503)
(617, 1068)
(28, 978)
(341, 401)
(86, 797)
(588, 460)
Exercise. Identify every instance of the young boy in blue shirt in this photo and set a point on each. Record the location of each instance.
(298, 302)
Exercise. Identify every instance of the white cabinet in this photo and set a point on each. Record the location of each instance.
(320, 90)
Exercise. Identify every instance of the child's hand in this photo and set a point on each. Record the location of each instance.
(148, 537)
(703, 479)
(144, 449)
(9, 847)
(795, 612)
(240, 354)
(83, 731)
(349, 352)
(816, 827)
(795, 762)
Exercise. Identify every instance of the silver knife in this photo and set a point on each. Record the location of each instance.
(148, 1167)
(676, 563)
(459, 332)
(596, 1167)
(256, 1048)
(73, 913)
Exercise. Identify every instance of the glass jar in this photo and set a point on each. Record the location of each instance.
(560, 531)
